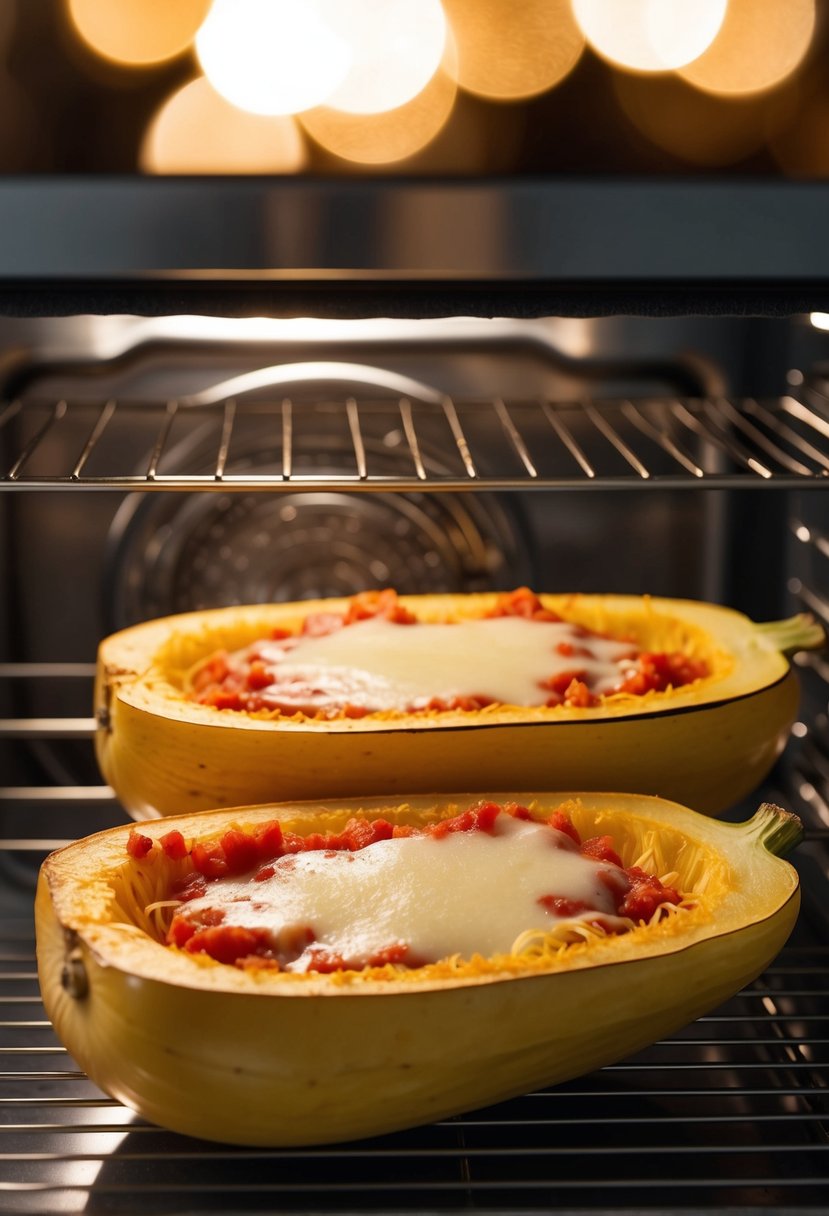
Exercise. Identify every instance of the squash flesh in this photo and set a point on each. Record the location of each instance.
(164, 754)
(258, 1058)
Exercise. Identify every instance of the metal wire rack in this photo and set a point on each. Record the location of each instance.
(730, 1114)
(644, 443)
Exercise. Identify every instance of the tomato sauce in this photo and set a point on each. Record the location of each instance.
(588, 666)
(631, 896)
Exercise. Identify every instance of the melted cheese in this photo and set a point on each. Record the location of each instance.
(467, 893)
(378, 665)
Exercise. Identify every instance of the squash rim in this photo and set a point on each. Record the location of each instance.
(105, 955)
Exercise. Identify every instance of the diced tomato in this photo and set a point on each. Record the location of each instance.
(180, 931)
(240, 851)
(601, 848)
(522, 602)
(368, 604)
(517, 812)
(658, 671)
(645, 895)
(212, 671)
(258, 675)
(209, 860)
(269, 840)
(560, 905)
(138, 846)
(325, 961)
(227, 943)
(194, 886)
(174, 845)
(562, 823)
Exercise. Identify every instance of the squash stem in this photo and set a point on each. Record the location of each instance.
(801, 632)
(777, 830)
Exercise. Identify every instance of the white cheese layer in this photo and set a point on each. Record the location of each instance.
(378, 665)
(467, 893)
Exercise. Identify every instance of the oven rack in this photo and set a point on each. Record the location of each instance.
(730, 1114)
(389, 444)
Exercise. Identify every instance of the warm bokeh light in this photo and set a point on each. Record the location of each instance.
(510, 51)
(138, 31)
(396, 45)
(760, 44)
(376, 139)
(698, 127)
(197, 131)
(272, 56)
(801, 148)
(650, 35)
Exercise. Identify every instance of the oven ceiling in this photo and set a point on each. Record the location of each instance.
(412, 248)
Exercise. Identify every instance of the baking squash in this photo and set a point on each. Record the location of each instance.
(707, 744)
(271, 1058)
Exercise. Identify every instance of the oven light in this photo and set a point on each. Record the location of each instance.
(820, 320)
(272, 56)
(655, 35)
(397, 46)
(135, 32)
(197, 131)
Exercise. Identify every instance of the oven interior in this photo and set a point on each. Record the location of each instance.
(150, 466)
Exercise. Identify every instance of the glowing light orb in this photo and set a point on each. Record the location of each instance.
(509, 51)
(197, 131)
(697, 127)
(650, 35)
(394, 135)
(272, 56)
(138, 31)
(396, 47)
(760, 44)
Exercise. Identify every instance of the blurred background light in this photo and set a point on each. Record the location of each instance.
(394, 135)
(138, 32)
(272, 56)
(761, 43)
(396, 48)
(697, 127)
(508, 51)
(197, 131)
(650, 35)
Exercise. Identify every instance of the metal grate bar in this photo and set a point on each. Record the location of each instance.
(353, 415)
(602, 425)
(47, 728)
(58, 411)
(287, 438)
(409, 431)
(458, 435)
(698, 426)
(634, 414)
(169, 415)
(763, 442)
(754, 436)
(515, 436)
(47, 671)
(56, 793)
(98, 429)
(566, 437)
(788, 434)
(228, 419)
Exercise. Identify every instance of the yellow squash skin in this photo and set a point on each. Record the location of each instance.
(266, 1059)
(707, 745)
